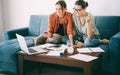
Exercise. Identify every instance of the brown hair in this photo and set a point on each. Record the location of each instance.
(62, 3)
(82, 3)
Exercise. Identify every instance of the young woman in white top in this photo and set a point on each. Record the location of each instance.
(86, 33)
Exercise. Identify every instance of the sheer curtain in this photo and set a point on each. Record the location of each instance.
(1, 21)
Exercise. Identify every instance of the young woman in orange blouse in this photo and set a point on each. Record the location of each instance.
(59, 26)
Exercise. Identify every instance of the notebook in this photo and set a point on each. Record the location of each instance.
(30, 50)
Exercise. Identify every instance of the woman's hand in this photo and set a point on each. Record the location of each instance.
(49, 35)
(89, 27)
(74, 33)
(88, 19)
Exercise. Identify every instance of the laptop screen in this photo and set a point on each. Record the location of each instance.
(22, 43)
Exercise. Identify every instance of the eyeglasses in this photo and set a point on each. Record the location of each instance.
(77, 10)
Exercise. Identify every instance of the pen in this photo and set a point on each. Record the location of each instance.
(90, 49)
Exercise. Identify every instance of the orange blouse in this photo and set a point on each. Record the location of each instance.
(53, 23)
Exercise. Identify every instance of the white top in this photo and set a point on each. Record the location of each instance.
(82, 29)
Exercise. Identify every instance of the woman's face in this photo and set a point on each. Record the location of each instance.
(78, 10)
(59, 10)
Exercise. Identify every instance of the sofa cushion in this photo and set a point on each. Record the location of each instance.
(114, 47)
(119, 27)
(107, 25)
(8, 56)
(105, 57)
(38, 24)
(10, 42)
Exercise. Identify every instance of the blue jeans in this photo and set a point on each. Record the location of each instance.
(65, 39)
(88, 42)
(41, 39)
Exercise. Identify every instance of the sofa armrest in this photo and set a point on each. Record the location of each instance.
(114, 51)
(114, 43)
(10, 34)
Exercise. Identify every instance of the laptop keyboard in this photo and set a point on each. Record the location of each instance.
(32, 50)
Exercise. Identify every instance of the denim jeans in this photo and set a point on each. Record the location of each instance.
(88, 42)
(42, 39)
(91, 42)
(65, 39)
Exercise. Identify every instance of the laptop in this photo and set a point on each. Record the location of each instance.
(30, 50)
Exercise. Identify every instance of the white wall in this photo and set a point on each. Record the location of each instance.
(16, 13)
(104, 7)
(1, 21)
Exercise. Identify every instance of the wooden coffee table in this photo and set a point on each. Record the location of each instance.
(87, 66)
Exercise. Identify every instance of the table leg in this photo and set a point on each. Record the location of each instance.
(20, 64)
(100, 65)
(87, 69)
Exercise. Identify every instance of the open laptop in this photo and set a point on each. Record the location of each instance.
(30, 50)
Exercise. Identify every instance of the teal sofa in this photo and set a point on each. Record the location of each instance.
(108, 26)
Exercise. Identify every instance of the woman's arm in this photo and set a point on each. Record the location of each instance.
(69, 29)
(89, 26)
(71, 39)
(50, 29)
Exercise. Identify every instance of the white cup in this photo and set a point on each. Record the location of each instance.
(70, 50)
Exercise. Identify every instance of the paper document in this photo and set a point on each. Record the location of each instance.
(61, 47)
(54, 53)
(97, 49)
(37, 48)
(54, 48)
(47, 45)
(84, 50)
(89, 50)
(83, 57)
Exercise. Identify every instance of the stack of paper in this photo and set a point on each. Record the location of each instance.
(89, 50)
(47, 45)
(54, 53)
(61, 47)
(97, 49)
(83, 57)
(84, 50)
